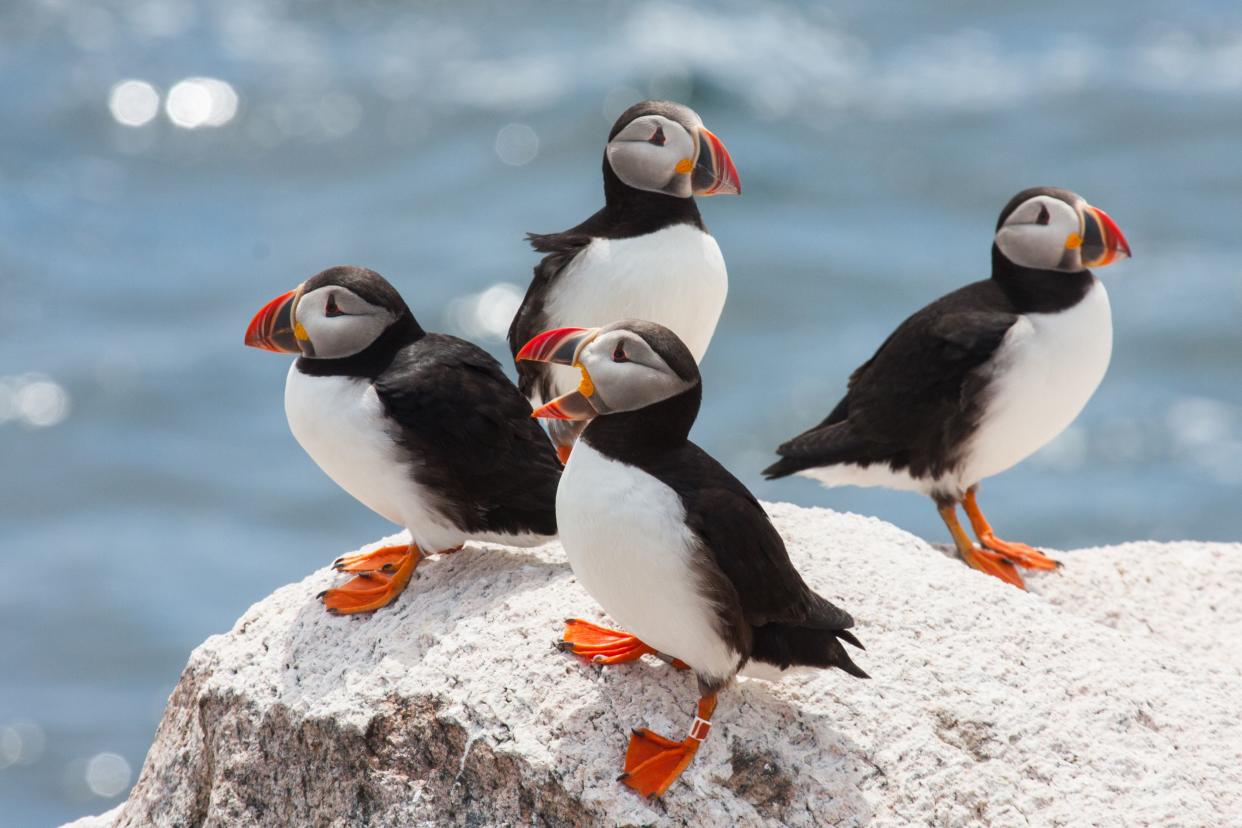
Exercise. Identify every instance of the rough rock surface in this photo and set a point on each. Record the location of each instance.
(1108, 695)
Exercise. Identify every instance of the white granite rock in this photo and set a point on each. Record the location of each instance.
(1108, 695)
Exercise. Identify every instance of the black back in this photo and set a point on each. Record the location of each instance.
(913, 405)
(627, 212)
(466, 430)
(765, 610)
(471, 438)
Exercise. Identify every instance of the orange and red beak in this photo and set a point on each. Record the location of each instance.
(272, 328)
(1102, 240)
(562, 346)
(559, 345)
(714, 173)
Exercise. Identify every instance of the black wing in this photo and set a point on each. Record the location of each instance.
(471, 437)
(561, 248)
(745, 545)
(919, 395)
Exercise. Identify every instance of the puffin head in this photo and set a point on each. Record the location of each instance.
(1048, 228)
(336, 313)
(663, 147)
(625, 366)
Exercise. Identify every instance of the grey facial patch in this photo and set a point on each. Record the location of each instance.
(627, 373)
(1035, 235)
(646, 155)
(338, 322)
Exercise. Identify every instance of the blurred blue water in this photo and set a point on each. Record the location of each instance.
(876, 143)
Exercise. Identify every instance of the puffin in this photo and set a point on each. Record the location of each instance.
(423, 428)
(671, 545)
(981, 378)
(646, 254)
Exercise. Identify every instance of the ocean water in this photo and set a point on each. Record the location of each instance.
(149, 488)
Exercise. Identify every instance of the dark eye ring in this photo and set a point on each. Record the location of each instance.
(1044, 216)
(658, 138)
(331, 309)
(618, 353)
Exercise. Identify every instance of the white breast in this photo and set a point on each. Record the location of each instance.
(1047, 367)
(340, 423)
(675, 277)
(626, 538)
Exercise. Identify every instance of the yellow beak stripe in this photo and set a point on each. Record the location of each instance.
(586, 388)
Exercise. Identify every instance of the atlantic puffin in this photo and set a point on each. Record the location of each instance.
(669, 543)
(422, 428)
(646, 254)
(981, 378)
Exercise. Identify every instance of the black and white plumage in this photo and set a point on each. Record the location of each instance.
(423, 428)
(646, 254)
(981, 378)
(671, 544)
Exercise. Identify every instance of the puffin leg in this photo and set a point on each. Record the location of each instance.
(563, 452)
(654, 762)
(1018, 553)
(600, 645)
(370, 590)
(984, 560)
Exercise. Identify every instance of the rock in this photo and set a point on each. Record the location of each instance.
(1108, 695)
(104, 820)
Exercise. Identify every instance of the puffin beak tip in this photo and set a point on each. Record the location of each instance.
(1106, 241)
(271, 329)
(572, 406)
(714, 174)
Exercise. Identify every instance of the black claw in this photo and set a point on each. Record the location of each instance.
(565, 646)
(333, 611)
(320, 595)
(388, 568)
(623, 776)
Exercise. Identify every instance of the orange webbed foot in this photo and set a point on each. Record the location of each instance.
(994, 564)
(1018, 553)
(374, 588)
(385, 559)
(654, 762)
(600, 645)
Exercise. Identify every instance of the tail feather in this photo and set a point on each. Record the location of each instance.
(787, 646)
(821, 446)
(847, 636)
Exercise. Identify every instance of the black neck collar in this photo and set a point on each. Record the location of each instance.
(651, 430)
(1039, 291)
(371, 361)
(629, 211)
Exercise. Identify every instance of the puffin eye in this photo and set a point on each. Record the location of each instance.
(1044, 216)
(331, 308)
(657, 139)
(618, 353)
